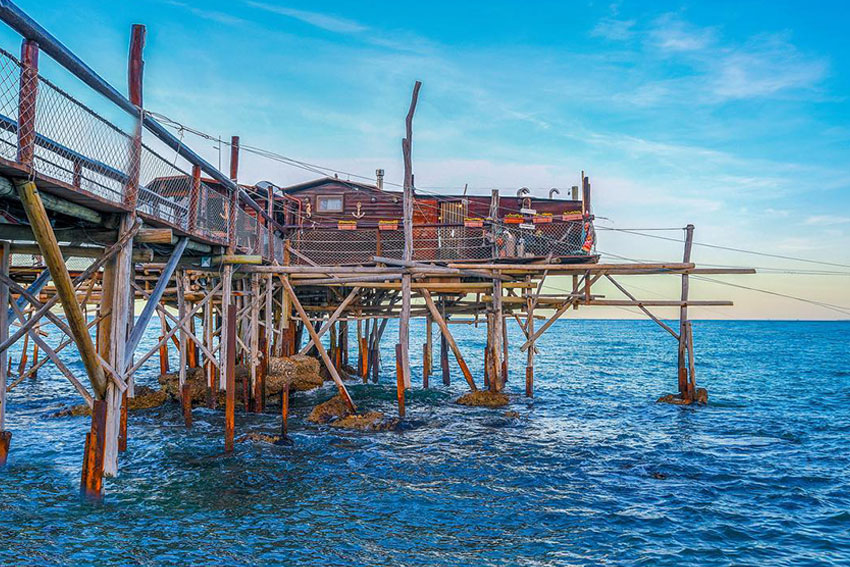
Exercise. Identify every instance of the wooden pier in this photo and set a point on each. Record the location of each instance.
(240, 275)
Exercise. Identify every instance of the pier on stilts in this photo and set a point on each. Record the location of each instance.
(235, 276)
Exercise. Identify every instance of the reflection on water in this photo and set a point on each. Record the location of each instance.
(592, 472)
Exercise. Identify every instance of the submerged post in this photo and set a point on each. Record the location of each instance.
(5, 436)
(684, 390)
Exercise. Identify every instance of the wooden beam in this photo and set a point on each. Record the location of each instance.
(318, 344)
(148, 310)
(5, 436)
(646, 311)
(332, 319)
(51, 354)
(438, 318)
(561, 310)
(37, 215)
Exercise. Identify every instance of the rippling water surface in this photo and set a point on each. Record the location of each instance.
(592, 472)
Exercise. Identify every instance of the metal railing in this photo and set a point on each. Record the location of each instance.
(64, 141)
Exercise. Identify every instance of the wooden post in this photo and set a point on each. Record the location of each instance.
(407, 220)
(5, 436)
(284, 410)
(91, 481)
(585, 195)
(254, 343)
(186, 403)
(163, 356)
(444, 349)
(498, 341)
(262, 371)
(399, 371)
(181, 313)
(529, 364)
(209, 366)
(229, 373)
(122, 431)
(194, 199)
(692, 386)
(27, 96)
(234, 158)
(683, 318)
(426, 352)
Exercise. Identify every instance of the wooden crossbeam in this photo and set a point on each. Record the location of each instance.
(43, 231)
(332, 319)
(35, 367)
(85, 275)
(646, 311)
(52, 356)
(153, 301)
(165, 338)
(561, 310)
(441, 323)
(318, 343)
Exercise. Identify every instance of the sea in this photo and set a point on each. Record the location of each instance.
(590, 471)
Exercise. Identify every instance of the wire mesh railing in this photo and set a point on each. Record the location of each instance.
(56, 137)
(435, 243)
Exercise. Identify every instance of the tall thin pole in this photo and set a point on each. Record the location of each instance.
(683, 317)
(404, 321)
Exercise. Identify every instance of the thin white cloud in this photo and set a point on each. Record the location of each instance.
(671, 34)
(613, 29)
(825, 220)
(764, 66)
(212, 15)
(318, 19)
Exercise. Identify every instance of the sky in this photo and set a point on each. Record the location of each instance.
(732, 116)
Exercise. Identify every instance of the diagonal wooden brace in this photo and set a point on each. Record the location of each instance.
(49, 246)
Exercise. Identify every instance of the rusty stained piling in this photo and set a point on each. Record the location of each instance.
(186, 403)
(91, 481)
(399, 370)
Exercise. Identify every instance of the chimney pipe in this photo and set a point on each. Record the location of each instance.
(379, 175)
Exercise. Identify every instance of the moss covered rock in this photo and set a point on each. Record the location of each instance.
(299, 371)
(484, 398)
(369, 421)
(331, 410)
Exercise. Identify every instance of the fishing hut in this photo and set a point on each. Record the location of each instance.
(103, 210)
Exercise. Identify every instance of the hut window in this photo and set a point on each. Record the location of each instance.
(329, 203)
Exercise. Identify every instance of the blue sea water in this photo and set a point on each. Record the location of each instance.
(593, 472)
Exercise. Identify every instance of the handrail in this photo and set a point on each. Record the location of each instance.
(19, 21)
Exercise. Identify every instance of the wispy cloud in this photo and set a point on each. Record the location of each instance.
(613, 29)
(318, 19)
(713, 70)
(826, 220)
(671, 34)
(212, 15)
(764, 66)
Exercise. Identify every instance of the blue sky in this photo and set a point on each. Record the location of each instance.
(730, 115)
